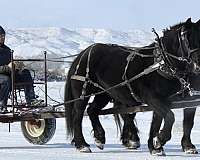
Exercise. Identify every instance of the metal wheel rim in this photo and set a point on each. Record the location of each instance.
(35, 130)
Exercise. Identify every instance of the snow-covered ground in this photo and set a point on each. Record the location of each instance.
(13, 145)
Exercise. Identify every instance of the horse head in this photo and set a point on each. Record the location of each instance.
(181, 44)
(193, 34)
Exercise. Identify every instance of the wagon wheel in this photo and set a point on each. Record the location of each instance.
(38, 131)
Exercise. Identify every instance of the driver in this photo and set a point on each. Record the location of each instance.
(21, 76)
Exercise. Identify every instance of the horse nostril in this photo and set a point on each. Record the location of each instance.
(197, 68)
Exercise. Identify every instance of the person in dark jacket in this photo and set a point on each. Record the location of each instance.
(21, 76)
(5, 80)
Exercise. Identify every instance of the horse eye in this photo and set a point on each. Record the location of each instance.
(183, 33)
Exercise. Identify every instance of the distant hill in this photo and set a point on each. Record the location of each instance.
(58, 42)
(27, 42)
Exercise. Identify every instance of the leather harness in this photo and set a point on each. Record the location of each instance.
(162, 64)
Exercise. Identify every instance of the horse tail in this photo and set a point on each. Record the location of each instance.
(118, 123)
(68, 106)
(117, 118)
(68, 95)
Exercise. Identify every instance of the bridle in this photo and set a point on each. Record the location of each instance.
(185, 45)
(168, 69)
(184, 48)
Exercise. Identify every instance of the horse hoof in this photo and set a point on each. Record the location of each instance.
(132, 144)
(73, 142)
(191, 151)
(84, 149)
(156, 143)
(158, 152)
(99, 144)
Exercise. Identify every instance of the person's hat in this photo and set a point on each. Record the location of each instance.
(2, 31)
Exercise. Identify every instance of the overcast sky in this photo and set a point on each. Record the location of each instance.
(108, 14)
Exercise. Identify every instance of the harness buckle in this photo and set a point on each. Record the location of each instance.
(173, 71)
(183, 82)
(186, 85)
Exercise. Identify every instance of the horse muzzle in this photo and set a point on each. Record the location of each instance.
(196, 68)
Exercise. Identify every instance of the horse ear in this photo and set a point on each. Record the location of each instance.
(188, 21)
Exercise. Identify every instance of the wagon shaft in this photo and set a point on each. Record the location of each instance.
(189, 102)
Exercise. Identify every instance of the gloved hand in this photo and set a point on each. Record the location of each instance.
(19, 65)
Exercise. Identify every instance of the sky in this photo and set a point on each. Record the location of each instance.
(108, 14)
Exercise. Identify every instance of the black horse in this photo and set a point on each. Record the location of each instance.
(129, 136)
(102, 66)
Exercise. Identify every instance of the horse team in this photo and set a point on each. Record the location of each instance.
(110, 73)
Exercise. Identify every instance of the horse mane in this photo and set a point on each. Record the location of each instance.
(174, 27)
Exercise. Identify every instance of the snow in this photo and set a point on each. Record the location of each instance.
(27, 42)
(13, 145)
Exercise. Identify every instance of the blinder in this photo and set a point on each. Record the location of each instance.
(185, 44)
(186, 51)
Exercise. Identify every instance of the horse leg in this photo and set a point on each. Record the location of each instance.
(78, 139)
(129, 136)
(99, 102)
(155, 126)
(162, 108)
(188, 123)
(165, 133)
